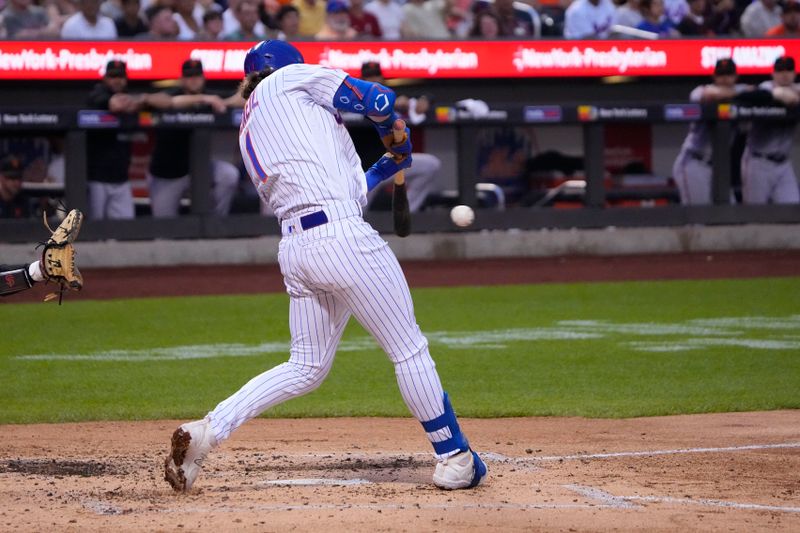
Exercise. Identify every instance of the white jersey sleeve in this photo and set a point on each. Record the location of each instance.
(320, 83)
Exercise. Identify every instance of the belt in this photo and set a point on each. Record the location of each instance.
(774, 157)
(699, 156)
(327, 213)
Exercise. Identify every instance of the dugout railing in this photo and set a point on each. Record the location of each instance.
(595, 213)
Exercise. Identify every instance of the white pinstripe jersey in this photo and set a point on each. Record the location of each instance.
(294, 144)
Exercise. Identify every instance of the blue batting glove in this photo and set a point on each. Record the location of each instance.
(402, 149)
(386, 167)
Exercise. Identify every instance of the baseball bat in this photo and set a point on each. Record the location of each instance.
(400, 212)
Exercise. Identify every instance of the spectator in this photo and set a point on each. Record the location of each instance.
(111, 8)
(460, 18)
(312, 16)
(162, 25)
(628, 14)
(250, 27)
(337, 23)
(695, 24)
(130, 24)
(421, 176)
(790, 22)
(486, 25)
(723, 19)
(692, 168)
(288, 19)
(654, 19)
(390, 17)
(759, 17)
(231, 24)
(365, 24)
(108, 152)
(425, 19)
(22, 20)
(588, 19)
(58, 11)
(14, 203)
(89, 24)
(212, 26)
(675, 10)
(517, 19)
(266, 13)
(188, 19)
(168, 175)
(767, 172)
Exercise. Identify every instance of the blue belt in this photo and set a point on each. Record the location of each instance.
(313, 220)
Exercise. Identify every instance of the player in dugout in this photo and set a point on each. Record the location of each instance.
(767, 173)
(168, 175)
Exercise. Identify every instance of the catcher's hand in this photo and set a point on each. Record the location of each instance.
(58, 256)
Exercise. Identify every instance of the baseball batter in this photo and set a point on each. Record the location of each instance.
(692, 169)
(302, 162)
(767, 173)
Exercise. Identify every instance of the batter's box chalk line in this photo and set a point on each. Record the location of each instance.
(626, 502)
(307, 482)
(644, 453)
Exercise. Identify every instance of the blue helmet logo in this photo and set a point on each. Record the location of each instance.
(272, 53)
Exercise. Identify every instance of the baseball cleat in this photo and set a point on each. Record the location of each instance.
(191, 443)
(461, 471)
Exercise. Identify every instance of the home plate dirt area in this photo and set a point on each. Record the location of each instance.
(716, 472)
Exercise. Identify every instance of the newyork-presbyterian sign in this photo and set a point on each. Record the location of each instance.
(67, 60)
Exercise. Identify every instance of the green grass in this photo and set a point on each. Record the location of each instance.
(600, 376)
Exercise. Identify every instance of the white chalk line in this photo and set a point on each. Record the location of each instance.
(606, 498)
(314, 482)
(502, 458)
(698, 334)
(664, 452)
(714, 503)
(624, 502)
(385, 507)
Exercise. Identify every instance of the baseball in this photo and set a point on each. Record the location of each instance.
(462, 215)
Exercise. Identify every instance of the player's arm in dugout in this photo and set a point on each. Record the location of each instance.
(217, 103)
(376, 102)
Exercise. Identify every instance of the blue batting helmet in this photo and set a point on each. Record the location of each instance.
(271, 53)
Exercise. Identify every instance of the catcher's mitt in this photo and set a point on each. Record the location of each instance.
(58, 256)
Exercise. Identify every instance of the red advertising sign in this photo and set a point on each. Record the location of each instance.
(65, 60)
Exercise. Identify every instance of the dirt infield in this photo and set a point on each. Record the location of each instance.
(721, 472)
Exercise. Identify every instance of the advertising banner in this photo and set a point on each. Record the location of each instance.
(67, 60)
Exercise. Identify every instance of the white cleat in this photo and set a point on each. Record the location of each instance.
(191, 443)
(460, 471)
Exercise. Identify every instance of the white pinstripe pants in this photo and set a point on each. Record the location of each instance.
(332, 271)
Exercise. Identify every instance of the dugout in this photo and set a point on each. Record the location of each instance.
(523, 108)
